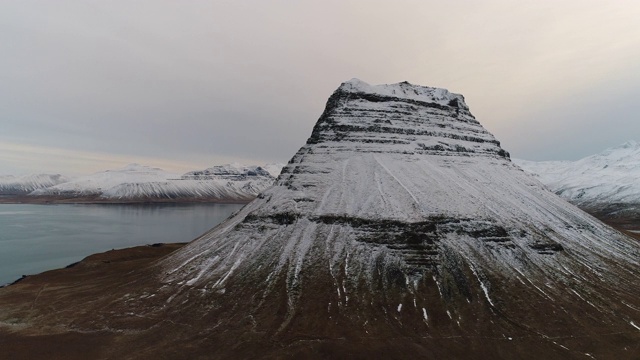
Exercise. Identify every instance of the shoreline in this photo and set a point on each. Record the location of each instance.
(94, 200)
(132, 253)
(630, 226)
(35, 315)
(633, 233)
(105, 306)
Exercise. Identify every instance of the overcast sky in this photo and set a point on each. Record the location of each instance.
(92, 85)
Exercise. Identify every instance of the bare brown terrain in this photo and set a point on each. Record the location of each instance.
(629, 223)
(105, 307)
(38, 311)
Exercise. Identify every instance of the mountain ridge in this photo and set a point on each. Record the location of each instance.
(607, 178)
(136, 183)
(22, 185)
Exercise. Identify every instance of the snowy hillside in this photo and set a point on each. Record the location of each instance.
(96, 184)
(610, 177)
(274, 168)
(142, 183)
(403, 218)
(21, 185)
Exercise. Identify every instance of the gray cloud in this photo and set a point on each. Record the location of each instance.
(210, 81)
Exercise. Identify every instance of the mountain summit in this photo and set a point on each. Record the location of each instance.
(401, 229)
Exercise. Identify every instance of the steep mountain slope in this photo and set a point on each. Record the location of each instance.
(137, 182)
(400, 230)
(22, 185)
(608, 180)
(402, 218)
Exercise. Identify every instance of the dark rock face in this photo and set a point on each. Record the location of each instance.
(350, 119)
(400, 230)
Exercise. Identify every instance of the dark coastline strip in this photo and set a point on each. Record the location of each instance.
(24, 199)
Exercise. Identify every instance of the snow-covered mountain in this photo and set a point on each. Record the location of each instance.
(401, 225)
(274, 168)
(610, 177)
(136, 182)
(400, 230)
(233, 171)
(22, 185)
(96, 184)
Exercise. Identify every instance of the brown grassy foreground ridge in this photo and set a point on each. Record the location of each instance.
(81, 312)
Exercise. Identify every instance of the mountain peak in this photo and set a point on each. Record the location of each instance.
(630, 144)
(401, 216)
(135, 167)
(402, 118)
(405, 90)
(623, 152)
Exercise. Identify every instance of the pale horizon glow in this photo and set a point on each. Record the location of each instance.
(90, 86)
(80, 163)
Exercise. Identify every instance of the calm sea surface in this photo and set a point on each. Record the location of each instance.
(36, 238)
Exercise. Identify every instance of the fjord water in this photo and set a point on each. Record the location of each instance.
(36, 238)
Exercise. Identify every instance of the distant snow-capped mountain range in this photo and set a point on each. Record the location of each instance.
(22, 185)
(134, 182)
(596, 181)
